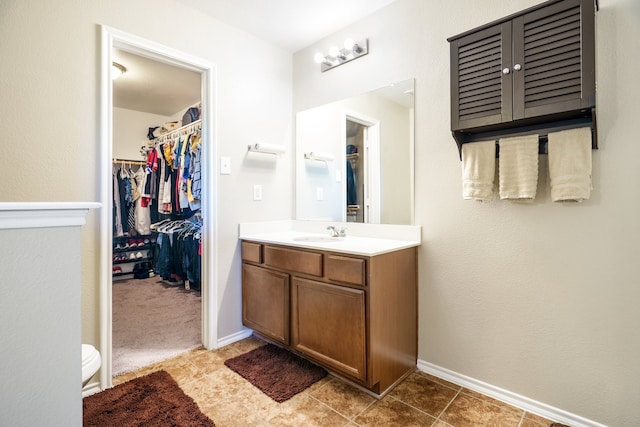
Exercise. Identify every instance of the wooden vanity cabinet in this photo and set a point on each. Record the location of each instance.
(354, 315)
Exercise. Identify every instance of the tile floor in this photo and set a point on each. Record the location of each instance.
(420, 400)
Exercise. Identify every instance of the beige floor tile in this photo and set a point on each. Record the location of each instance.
(424, 394)
(440, 381)
(533, 420)
(343, 398)
(232, 413)
(247, 344)
(215, 387)
(489, 399)
(467, 410)
(391, 412)
(212, 360)
(304, 410)
(183, 372)
(319, 384)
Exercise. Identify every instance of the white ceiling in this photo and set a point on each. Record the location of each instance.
(159, 88)
(290, 24)
(154, 87)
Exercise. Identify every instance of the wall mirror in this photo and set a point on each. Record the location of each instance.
(354, 158)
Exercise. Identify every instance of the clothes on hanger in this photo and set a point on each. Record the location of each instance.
(174, 171)
(180, 250)
(130, 216)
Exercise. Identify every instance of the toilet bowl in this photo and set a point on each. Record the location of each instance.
(91, 362)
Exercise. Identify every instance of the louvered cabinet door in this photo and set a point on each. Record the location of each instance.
(554, 61)
(481, 94)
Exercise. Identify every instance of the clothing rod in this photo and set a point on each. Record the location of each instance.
(133, 162)
(186, 128)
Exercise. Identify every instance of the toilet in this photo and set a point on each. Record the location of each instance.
(91, 362)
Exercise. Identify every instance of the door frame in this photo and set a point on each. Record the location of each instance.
(371, 159)
(112, 38)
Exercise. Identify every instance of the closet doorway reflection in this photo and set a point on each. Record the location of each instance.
(158, 284)
(362, 169)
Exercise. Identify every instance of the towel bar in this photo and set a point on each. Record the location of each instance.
(541, 130)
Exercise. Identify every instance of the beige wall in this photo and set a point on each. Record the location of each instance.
(130, 129)
(539, 299)
(49, 118)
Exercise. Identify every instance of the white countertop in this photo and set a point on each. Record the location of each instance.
(361, 239)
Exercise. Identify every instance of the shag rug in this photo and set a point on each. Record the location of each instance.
(152, 400)
(152, 321)
(278, 373)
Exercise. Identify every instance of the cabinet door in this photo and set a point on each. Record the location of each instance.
(553, 64)
(481, 94)
(265, 302)
(328, 325)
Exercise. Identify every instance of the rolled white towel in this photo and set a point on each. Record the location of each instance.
(478, 170)
(518, 167)
(570, 165)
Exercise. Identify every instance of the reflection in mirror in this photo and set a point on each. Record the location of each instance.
(367, 172)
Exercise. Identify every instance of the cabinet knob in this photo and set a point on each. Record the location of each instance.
(506, 70)
(517, 67)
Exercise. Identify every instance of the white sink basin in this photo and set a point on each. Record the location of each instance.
(317, 239)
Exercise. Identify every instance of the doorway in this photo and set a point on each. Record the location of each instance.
(115, 39)
(362, 169)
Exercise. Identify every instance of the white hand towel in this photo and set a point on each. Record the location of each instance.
(570, 165)
(478, 170)
(518, 167)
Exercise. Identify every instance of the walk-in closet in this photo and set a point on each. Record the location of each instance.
(157, 219)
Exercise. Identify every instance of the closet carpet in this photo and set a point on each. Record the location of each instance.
(152, 321)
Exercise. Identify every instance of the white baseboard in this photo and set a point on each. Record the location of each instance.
(230, 339)
(507, 396)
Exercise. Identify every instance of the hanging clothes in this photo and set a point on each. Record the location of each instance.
(178, 159)
(179, 251)
(352, 190)
(142, 211)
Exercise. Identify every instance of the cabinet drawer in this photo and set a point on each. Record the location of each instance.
(345, 269)
(294, 260)
(251, 252)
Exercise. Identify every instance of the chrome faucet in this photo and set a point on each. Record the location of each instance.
(337, 232)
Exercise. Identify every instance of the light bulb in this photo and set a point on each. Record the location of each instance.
(349, 43)
(319, 58)
(117, 70)
(334, 51)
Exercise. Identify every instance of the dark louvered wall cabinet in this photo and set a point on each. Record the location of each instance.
(529, 72)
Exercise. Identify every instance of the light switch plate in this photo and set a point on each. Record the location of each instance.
(257, 192)
(225, 166)
(319, 193)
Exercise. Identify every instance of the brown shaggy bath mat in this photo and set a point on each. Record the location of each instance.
(277, 372)
(152, 400)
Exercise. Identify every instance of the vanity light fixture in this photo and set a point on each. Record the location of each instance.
(322, 157)
(261, 147)
(336, 56)
(117, 70)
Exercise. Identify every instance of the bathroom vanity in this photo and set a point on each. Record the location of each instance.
(348, 304)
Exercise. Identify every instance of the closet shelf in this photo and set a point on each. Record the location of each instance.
(135, 248)
(143, 259)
